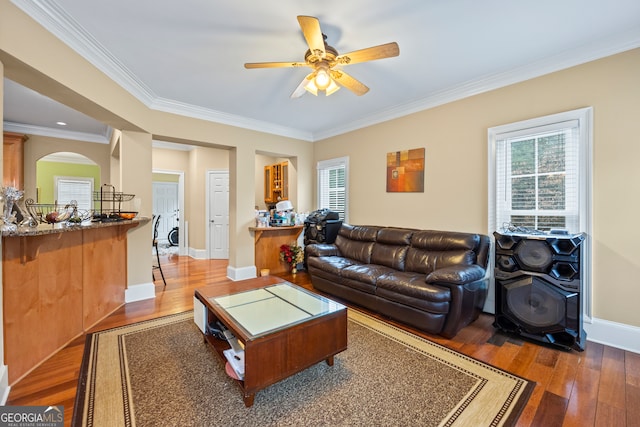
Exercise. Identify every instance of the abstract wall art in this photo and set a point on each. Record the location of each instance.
(405, 171)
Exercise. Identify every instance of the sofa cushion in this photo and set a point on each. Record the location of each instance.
(329, 264)
(412, 290)
(395, 236)
(391, 247)
(359, 232)
(444, 240)
(457, 274)
(425, 262)
(356, 242)
(367, 273)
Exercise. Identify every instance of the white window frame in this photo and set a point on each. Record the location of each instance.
(328, 164)
(584, 116)
(89, 180)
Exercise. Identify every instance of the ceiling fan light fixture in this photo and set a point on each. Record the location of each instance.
(333, 87)
(321, 58)
(311, 87)
(322, 79)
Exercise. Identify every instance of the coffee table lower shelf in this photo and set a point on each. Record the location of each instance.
(278, 355)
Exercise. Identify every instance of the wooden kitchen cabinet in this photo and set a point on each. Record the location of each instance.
(276, 182)
(13, 160)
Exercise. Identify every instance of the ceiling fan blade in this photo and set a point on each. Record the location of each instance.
(300, 90)
(274, 64)
(369, 54)
(349, 82)
(313, 35)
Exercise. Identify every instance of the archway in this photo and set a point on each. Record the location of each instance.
(65, 176)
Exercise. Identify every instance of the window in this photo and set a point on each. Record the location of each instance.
(540, 178)
(333, 185)
(537, 179)
(74, 188)
(540, 173)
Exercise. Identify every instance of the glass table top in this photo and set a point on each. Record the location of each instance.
(266, 310)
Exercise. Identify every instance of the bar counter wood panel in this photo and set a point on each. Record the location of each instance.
(56, 286)
(267, 246)
(42, 291)
(104, 273)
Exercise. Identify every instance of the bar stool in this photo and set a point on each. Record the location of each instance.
(156, 221)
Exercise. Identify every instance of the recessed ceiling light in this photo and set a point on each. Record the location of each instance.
(61, 123)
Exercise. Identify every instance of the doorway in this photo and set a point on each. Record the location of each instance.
(165, 204)
(218, 214)
(168, 202)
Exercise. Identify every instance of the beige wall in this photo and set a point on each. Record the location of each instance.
(202, 160)
(135, 178)
(455, 138)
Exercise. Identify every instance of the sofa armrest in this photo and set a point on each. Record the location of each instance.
(468, 285)
(321, 249)
(457, 274)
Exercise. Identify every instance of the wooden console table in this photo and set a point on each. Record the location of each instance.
(267, 246)
(57, 282)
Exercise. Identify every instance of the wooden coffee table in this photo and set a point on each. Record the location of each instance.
(283, 328)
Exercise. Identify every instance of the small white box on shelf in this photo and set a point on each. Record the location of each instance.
(236, 360)
(200, 315)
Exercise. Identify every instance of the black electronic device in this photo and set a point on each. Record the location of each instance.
(217, 329)
(538, 288)
(321, 226)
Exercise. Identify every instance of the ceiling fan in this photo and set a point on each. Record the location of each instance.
(325, 62)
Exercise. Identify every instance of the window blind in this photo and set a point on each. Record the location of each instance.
(332, 185)
(78, 189)
(537, 171)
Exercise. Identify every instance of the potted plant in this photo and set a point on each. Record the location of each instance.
(293, 255)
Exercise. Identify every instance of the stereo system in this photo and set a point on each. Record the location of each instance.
(320, 226)
(538, 287)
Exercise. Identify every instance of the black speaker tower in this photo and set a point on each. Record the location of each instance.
(539, 286)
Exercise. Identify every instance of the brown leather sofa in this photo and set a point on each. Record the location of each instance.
(435, 281)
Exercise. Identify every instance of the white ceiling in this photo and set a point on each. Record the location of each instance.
(187, 56)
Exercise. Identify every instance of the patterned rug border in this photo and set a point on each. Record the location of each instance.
(494, 385)
(89, 355)
(480, 395)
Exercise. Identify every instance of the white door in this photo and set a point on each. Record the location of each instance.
(165, 204)
(218, 214)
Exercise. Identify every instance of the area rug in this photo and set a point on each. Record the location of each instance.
(161, 373)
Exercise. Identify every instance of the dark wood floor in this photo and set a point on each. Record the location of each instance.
(597, 387)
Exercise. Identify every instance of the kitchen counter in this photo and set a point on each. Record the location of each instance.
(57, 282)
(62, 227)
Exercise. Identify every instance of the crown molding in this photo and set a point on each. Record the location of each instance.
(194, 111)
(605, 47)
(54, 19)
(58, 133)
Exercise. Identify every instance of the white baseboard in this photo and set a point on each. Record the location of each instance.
(241, 273)
(618, 335)
(613, 334)
(4, 384)
(140, 292)
(198, 253)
